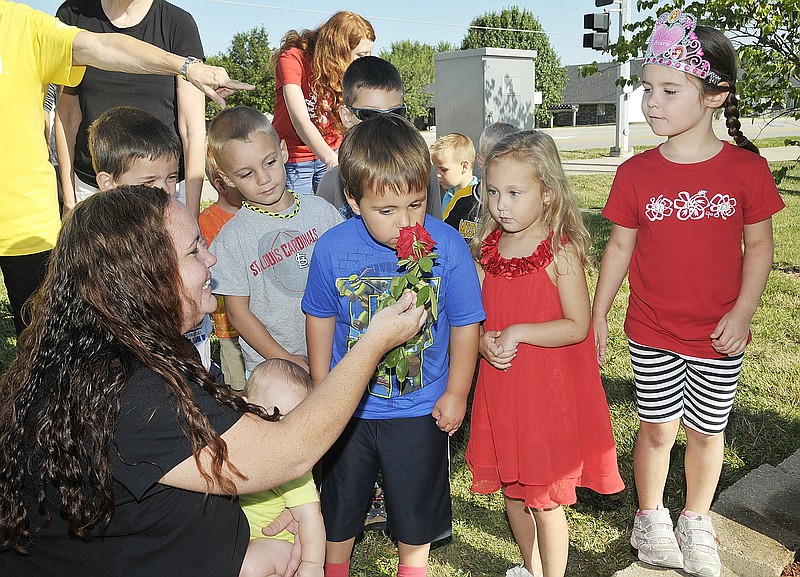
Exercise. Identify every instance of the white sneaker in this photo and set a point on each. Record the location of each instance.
(698, 542)
(654, 540)
(519, 571)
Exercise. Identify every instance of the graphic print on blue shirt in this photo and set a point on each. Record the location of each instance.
(365, 291)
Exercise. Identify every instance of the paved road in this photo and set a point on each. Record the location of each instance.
(603, 136)
(581, 137)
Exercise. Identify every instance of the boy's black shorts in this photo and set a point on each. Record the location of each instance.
(414, 457)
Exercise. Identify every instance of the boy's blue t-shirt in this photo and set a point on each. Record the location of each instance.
(347, 250)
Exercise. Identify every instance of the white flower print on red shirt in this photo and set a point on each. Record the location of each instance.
(658, 208)
(691, 207)
(722, 206)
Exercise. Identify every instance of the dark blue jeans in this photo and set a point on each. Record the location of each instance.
(304, 177)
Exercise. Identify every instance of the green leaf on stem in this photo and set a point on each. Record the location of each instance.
(402, 367)
(397, 286)
(426, 263)
(423, 295)
(394, 357)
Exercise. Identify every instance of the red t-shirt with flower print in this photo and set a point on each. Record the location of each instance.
(686, 268)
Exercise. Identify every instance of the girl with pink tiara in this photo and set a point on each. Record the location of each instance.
(680, 214)
(540, 424)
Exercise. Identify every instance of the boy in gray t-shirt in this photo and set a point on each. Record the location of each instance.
(264, 251)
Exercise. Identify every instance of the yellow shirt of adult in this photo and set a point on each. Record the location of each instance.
(35, 50)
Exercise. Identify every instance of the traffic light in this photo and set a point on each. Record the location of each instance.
(600, 3)
(599, 22)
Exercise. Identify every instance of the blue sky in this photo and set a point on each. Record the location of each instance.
(428, 21)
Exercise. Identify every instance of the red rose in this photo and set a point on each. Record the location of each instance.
(405, 243)
(414, 242)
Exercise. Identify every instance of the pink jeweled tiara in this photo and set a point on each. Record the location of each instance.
(674, 44)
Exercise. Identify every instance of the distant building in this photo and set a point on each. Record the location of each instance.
(593, 99)
(587, 101)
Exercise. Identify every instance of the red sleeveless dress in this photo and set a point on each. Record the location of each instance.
(542, 428)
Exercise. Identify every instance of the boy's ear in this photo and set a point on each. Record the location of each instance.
(348, 118)
(105, 181)
(352, 202)
(284, 152)
(219, 184)
(465, 166)
(227, 181)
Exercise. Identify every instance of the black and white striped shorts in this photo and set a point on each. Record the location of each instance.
(670, 386)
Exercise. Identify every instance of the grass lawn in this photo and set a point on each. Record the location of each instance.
(594, 152)
(764, 428)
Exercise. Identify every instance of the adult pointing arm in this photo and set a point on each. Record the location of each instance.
(121, 53)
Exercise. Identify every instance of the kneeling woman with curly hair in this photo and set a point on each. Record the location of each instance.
(119, 453)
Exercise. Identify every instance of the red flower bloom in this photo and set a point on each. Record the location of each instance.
(414, 242)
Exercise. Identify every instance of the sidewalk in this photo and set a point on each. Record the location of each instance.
(757, 520)
(609, 164)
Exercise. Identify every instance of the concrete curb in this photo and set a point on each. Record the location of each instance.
(768, 501)
(757, 520)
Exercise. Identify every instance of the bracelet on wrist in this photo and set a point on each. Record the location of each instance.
(189, 61)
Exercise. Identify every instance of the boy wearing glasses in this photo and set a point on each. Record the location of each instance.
(371, 86)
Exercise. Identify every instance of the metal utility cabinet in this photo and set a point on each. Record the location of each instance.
(475, 88)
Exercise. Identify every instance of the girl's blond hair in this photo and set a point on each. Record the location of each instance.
(330, 47)
(537, 151)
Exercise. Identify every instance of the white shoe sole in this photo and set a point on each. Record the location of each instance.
(672, 562)
(703, 571)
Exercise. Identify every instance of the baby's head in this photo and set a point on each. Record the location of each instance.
(278, 385)
(131, 146)
(251, 157)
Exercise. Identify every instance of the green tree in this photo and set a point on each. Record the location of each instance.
(249, 59)
(766, 34)
(502, 30)
(414, 61)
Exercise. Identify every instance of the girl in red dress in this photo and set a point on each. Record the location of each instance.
(540, 423)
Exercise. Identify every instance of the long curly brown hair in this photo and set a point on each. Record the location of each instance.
(109, 305)
(330, 47)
